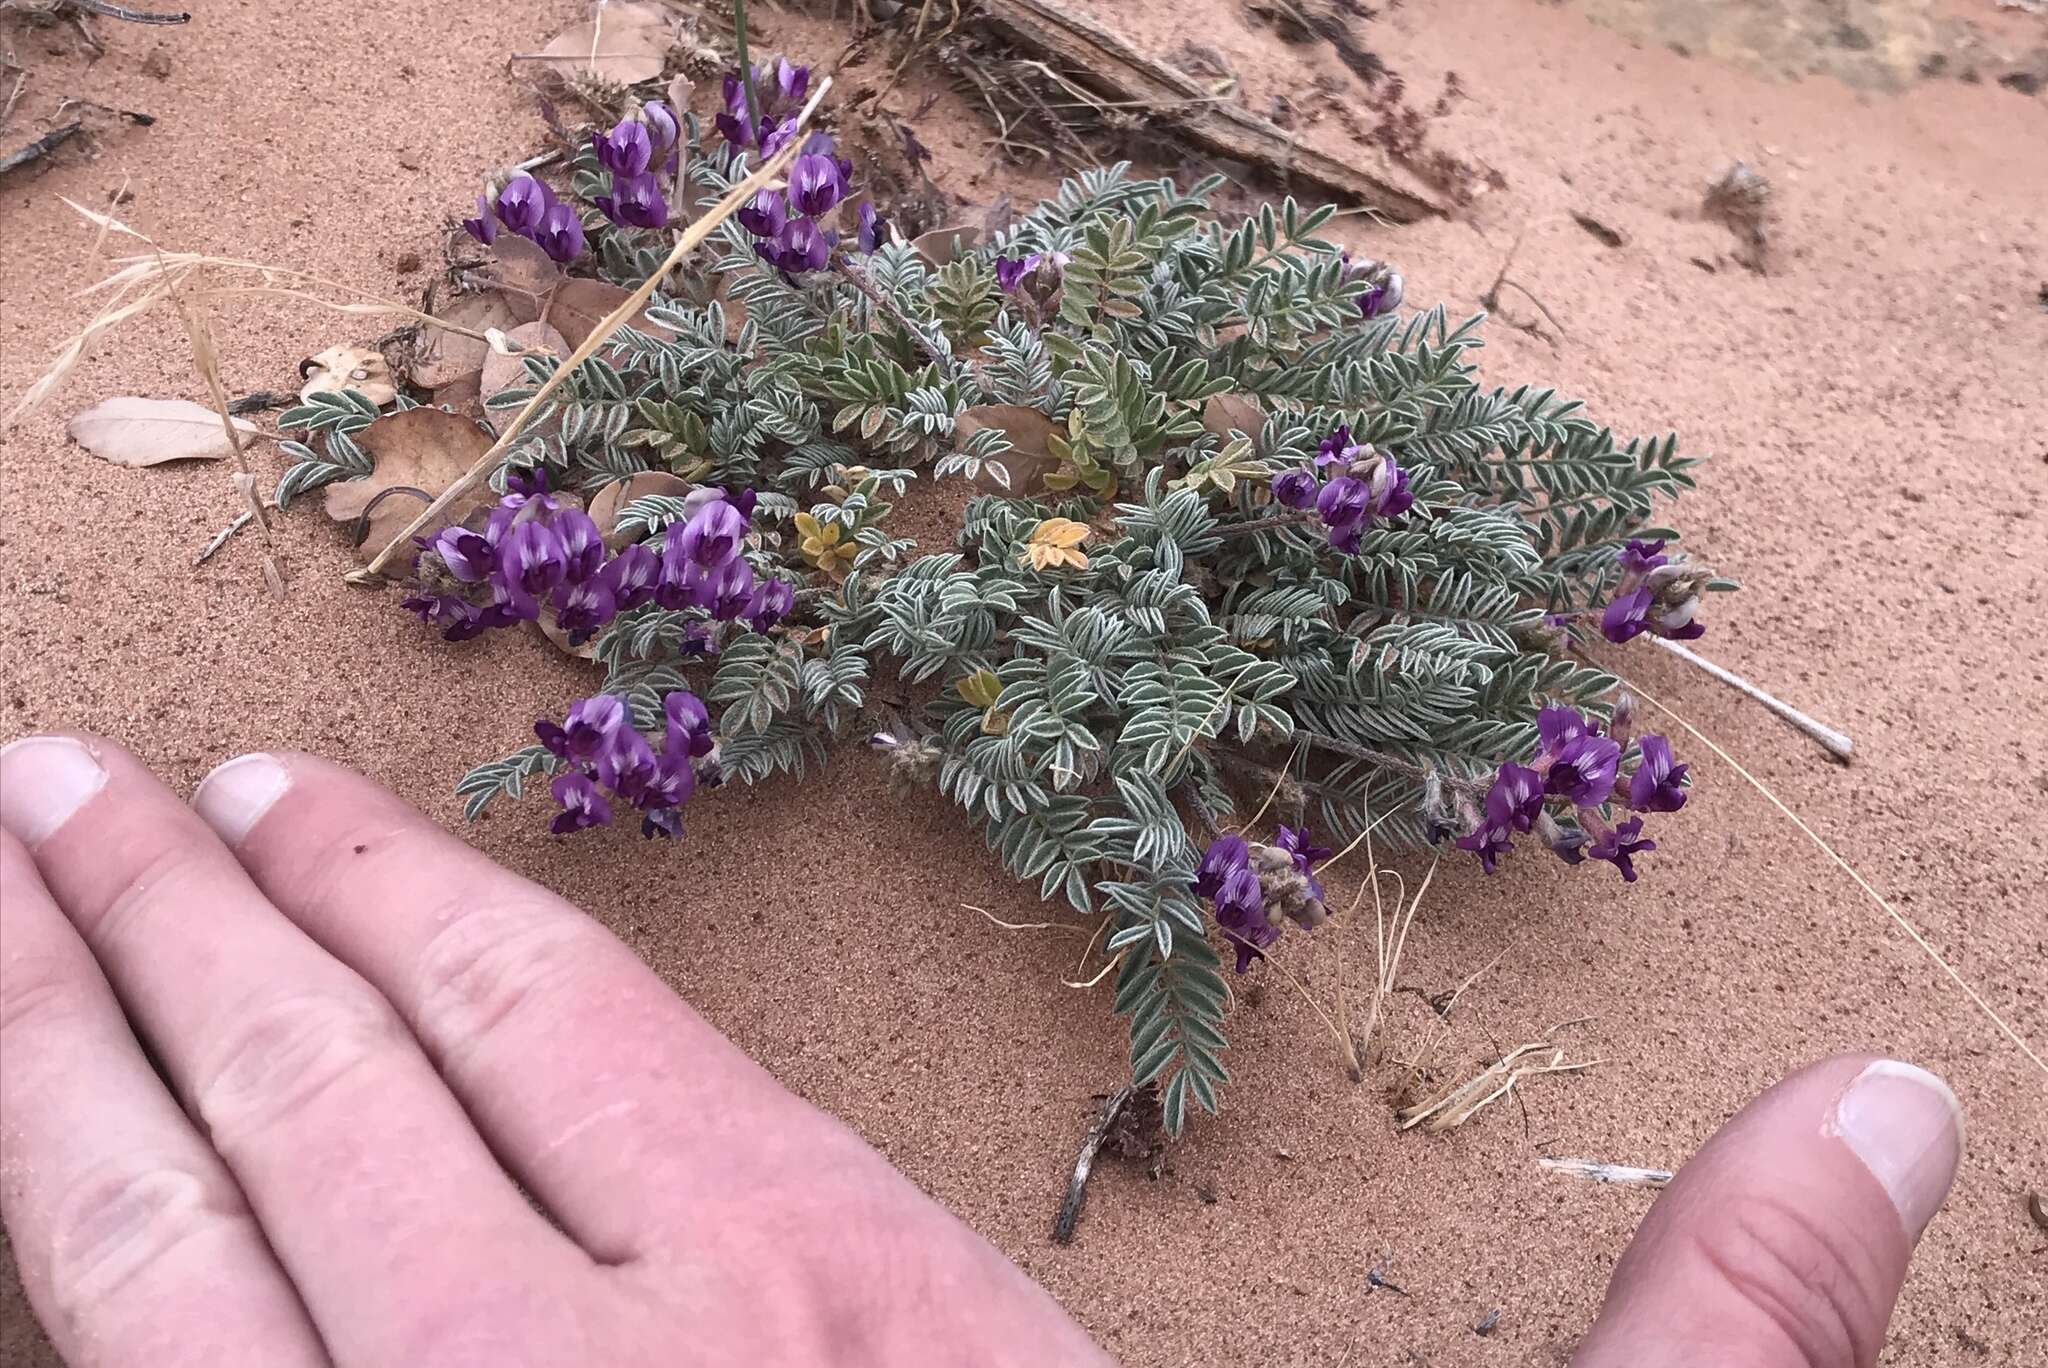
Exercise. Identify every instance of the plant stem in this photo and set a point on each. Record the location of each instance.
(739, 40)
(1393, 762)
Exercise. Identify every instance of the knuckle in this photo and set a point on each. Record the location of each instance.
(1804, 1278)
(277, 1061)
(39, 988)
(125, 1217)
(489, 963)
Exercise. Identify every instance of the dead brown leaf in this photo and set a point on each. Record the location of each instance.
(129, 431)
(608, 502)
(416, 455)
(943, 245)
(362, 369)
(580, 305)
(624, 42)
(502, 372)
(1028, 461)
(525, 273)
(1240, 411)
(441, 357)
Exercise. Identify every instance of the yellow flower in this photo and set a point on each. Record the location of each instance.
(821, 546)
(1053, 543)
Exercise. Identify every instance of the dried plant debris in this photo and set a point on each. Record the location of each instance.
(362, 369)
(1131, 1121)
(1051, 79)
(415, 455)
(1741, 199)
(622, 43)
(1456, 1105)
(129, 431)
(1623, 1175)
(2038, 1209)
(1306, 21)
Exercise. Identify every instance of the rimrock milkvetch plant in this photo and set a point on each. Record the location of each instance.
(1234, 524)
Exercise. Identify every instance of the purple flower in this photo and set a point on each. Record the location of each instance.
(1556, 726)
(1387, 492)
(817, 179)
(1583, 770)
(594, 729)
(1627, 616)
(523, 203)
(1384, 287)
(1225, 856)
(530, 482)
(469, 557)
(531, 558)
(1306, 855)
(1488, 842)
(764, 214)
(770, 604)
(1346, 538)
(689, 724)
(484, 227)
(774, 139)
(1656, 784)
(1241, 912)
(1515, 798)
(663, 128)
(582, 608)
(1342, 501)
(1010, 271)
(582, 805)
(627, 150)
(802, 246)
(1337, 447)
(629, 768)
(560, 233)
(582, 544)
(1616, 845)
(631, 576)
(635, 201)
(874, 229)
(1296, 488)
(438, 610)
(791, 84)
(725, 592)
(1641, 557)
(710, 537)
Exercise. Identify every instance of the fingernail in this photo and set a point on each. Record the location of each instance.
(234, 797)
(1907, 1128)
(43, 780)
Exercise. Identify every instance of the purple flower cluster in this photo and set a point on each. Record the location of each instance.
(527, 206)
(1367, 485)
(1036, 278)
(780, 86)
(611, 762)
(788, 224)
(1654, 596)
(1255, 888)
(1578, 766)
(630, 153)
(537, 550)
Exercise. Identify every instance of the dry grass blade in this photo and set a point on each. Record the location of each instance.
(1593, 1170)
(147, 279)
(1458, 1104)
(628, 308)
(1884, 906)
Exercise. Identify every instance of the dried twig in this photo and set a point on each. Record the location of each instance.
(222, 537)
(1833, 742)
(41, 147)
(132, 16)
(1110, 66)
(1084, 1163)
(628, 309)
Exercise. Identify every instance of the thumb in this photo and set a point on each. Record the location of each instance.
(1784, 1242)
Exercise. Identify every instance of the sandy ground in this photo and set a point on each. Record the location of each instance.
(1881, 440)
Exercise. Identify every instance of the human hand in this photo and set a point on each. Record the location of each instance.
(372, 1031)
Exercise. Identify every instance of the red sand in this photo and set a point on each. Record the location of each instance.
(1875, 409)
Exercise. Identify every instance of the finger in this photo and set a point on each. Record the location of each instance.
(134, 1243)
(367, 1178)
(1784, 1242)
(612, 1101)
